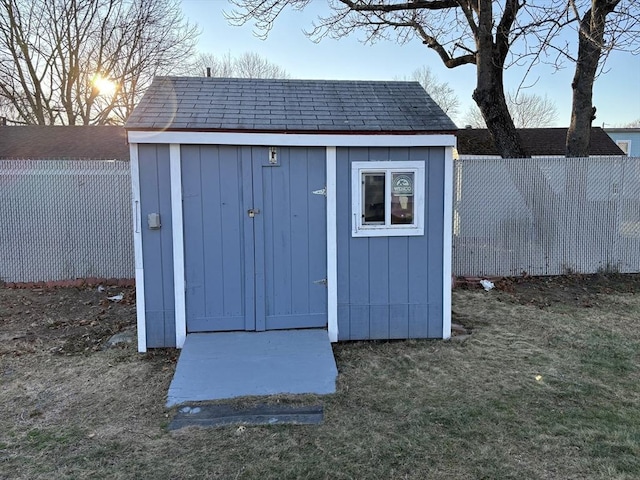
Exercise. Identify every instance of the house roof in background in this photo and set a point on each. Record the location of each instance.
(537, 142)
(63, 142)
(288, 106)
(622, 129)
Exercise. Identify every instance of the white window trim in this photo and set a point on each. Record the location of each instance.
(361, 230)
(628, 144)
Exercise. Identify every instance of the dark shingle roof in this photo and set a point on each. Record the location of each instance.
(64, 142)
(537, 142)
(258, 105)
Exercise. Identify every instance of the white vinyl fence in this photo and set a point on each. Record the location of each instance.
(65, 219)
(546, 216)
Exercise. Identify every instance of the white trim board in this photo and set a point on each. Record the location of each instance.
(332, 246)
(447, 243)
(292, 139)
(137, 248)
(178, 244)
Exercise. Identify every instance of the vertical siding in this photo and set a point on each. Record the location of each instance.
(390, 287)
(157, 253)
(213, 207)
(434, 234)
(293, 226)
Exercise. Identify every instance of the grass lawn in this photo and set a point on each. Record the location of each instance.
(546, 386)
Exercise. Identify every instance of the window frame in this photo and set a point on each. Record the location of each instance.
(627, 146)
(360, 229)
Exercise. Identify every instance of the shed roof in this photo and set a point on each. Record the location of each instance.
(536, 142)
(63, 142)
(289, 106)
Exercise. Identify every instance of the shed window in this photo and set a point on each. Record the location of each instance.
(388, 198)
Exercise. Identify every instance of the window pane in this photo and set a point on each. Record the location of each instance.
(373, 198)
(402, 195)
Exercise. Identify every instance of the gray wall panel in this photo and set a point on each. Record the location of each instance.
(157, 251)
(390, 287)
(214, 211)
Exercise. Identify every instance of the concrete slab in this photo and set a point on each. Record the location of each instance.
(203, 415)
(216, 366)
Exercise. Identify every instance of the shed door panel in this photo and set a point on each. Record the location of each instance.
(215, 232)
(258, 273)
(294, 238)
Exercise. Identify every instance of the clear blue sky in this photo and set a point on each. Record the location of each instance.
(616, 93)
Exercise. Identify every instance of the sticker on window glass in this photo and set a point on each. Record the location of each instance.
(402, 184)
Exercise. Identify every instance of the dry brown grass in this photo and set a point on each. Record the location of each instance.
(535, 392)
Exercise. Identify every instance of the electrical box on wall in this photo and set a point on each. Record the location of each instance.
(153, 219)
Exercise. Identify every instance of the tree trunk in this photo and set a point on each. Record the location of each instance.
(590, 43)
(489, 92)
(489, 96)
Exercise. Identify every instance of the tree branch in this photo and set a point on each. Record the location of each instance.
(394, 7)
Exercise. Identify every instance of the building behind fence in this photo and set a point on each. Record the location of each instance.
(65, 219)
(68, 219)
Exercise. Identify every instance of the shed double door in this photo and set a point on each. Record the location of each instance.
(254, 238)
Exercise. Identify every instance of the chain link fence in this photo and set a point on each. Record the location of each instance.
(65, 219)
(546, 216)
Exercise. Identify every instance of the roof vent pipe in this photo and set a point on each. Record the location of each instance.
(208, 71)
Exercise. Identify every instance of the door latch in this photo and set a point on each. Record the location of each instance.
(253, 212)
(322, 281)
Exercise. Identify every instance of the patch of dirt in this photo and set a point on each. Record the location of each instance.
(570, 290)
(64, 321)
(69, 409)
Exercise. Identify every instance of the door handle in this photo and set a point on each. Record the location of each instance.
(253, 212)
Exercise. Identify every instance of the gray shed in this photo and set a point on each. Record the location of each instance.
(291, 204)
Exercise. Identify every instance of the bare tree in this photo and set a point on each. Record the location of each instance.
(86, 62)
(528, 110)
(246, 65)
(633, 124)
(473, 118)
(531, 110)
(489, 34)
(606, 24)
(440, 92)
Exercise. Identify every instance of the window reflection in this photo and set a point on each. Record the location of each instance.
(373, 193)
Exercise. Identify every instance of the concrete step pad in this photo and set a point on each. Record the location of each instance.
(203, 415)
(216, 366)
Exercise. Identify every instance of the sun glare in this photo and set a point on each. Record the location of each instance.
(104, 85)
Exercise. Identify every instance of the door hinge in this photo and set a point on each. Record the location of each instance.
(322, 191)
(322, 281)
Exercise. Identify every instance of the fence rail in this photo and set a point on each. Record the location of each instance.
(65, 219)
